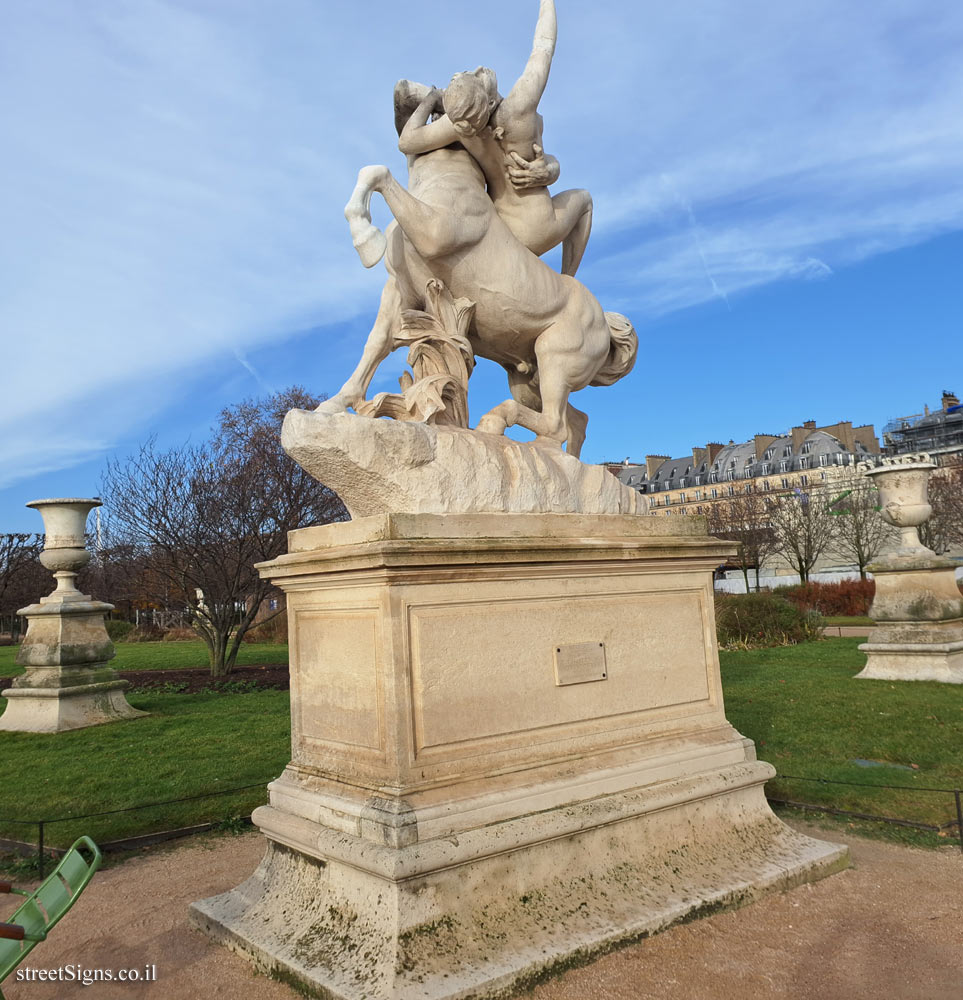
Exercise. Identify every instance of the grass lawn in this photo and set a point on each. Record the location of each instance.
(809, 718)
(164, 656)
(800, 704)
(190, 744)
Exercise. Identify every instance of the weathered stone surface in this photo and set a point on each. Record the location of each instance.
(917, 606)
(458, 814)
(387, 466)
(67, 683)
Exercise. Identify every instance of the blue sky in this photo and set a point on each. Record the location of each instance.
(778, 190)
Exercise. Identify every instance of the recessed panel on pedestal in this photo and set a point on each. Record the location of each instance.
(340, 694)
(485, 670)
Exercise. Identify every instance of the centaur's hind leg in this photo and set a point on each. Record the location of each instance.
(378, 346)
(525, 392)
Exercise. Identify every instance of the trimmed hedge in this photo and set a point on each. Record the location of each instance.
(118, 630)
(848, 598)
(746, 621)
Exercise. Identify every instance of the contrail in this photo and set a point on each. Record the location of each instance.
(252, 371)
(694, 227)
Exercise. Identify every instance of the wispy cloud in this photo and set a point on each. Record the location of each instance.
(175, 172)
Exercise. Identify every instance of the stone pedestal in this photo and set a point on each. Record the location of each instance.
(509, 753)
(67, 683)
(918, 612)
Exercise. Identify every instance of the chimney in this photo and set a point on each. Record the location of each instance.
(949, 399)
(652, 462)
(843, 432)
(713, 448)
(762, 442)
(866, 435)
(698, 457)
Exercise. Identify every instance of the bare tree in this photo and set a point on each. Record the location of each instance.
(944, 528)
(803, 528)
(202, 516)
(22, 579)
(860, 531)
(744, 519)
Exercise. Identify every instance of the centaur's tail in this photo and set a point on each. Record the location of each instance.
(623, 347)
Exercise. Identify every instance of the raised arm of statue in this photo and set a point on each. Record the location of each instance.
(530, 86)
(421, 136)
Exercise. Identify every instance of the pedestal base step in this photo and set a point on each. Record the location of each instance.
(507, 920)
(938, 661)
(55, 710)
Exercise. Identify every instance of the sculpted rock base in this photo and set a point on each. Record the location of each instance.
(386, 466)
(509, 753)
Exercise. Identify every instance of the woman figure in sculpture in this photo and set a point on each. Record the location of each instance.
(504, 135)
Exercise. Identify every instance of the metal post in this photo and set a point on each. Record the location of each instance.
(40, 845)
(959, 816)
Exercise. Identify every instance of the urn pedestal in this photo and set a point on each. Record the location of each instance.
(67, 683)
(917, 608)
(509, 752)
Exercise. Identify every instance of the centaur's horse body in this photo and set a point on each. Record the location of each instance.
(546, 329)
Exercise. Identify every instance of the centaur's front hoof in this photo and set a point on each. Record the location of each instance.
(332, 407)
(492, 424)
(370, 243)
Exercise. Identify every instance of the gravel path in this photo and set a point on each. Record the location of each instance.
(891, 928)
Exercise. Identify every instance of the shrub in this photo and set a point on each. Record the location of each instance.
(180, 635)
(744, 621)
(145, 633)
(118, 630)
(849, 598)
(273, 630)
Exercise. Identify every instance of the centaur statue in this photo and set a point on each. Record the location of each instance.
(476, 213)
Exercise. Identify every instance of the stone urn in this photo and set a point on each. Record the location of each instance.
(67, 683)
(64, 551)
(917, 606)
(902, 489)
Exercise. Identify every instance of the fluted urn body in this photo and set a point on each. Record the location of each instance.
(903, 496)
(64, 550)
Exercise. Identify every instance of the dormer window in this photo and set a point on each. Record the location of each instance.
(769, 453)
(787, 451)
(807, 447)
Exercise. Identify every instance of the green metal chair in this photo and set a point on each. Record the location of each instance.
(42, 908)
